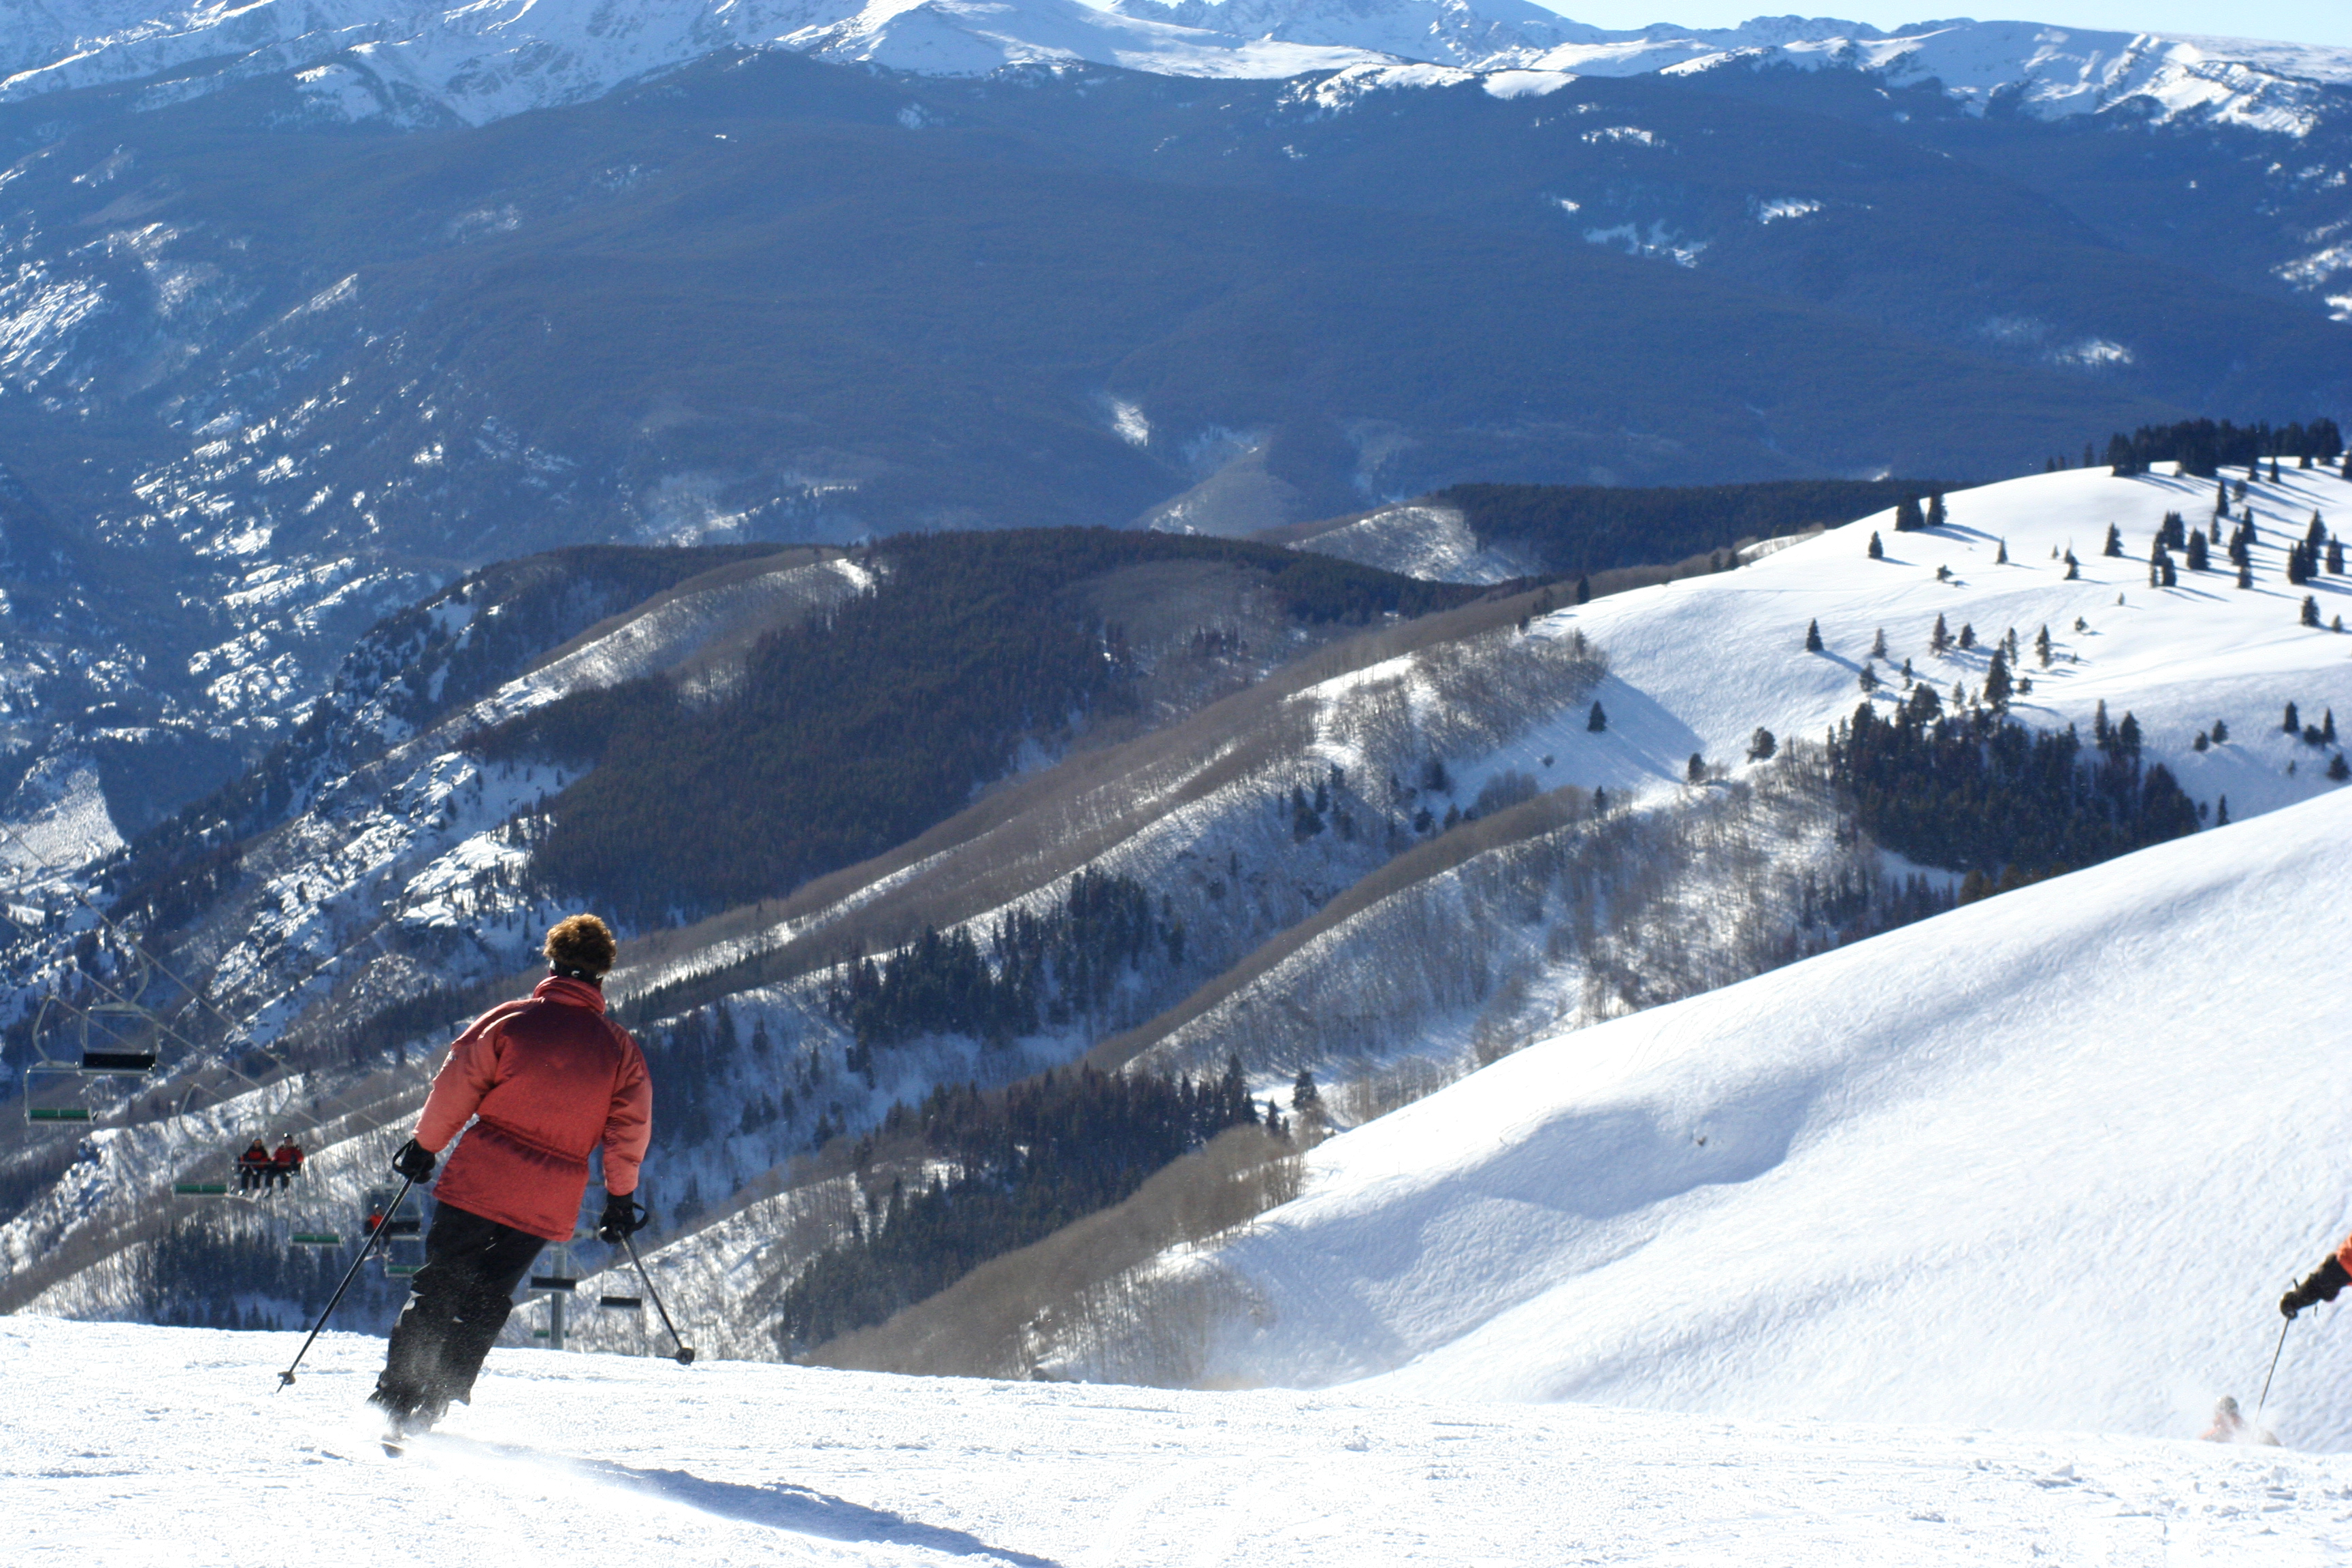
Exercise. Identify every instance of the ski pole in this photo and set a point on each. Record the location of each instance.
(382, 1226)
(685, 1356)
(2265, 1399)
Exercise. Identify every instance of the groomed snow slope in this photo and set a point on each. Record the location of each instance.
(165, 1446)
(2045, 1161)
(1700, 664)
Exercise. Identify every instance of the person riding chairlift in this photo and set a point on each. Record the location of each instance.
(286, 1162)
(253, 1166)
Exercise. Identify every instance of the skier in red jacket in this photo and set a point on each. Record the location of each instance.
(545, 1081)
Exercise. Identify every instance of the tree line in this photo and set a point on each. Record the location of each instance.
(1040, 970)
(1006, 1169)
(1979, 791)
(2203, 447)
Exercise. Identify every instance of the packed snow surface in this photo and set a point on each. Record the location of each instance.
(2047, 1161)
(167, 1446)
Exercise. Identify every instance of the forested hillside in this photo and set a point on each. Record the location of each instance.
(847, 736)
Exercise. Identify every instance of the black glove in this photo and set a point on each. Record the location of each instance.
(2325, 1282)
(623, 1217)
(414, 1162)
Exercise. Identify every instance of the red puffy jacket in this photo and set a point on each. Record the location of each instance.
(549, 1079)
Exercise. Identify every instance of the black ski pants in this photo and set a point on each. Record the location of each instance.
(457, 1304)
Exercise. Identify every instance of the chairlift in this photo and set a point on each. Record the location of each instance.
(77, 1042)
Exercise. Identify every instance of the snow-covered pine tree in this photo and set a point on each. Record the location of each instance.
(1878, 644)
(1868, 678)
(1694, 771)
(1936, 515)
(1877, 550)
(1967, 635)
(2310, 611)
(1906, 516)
(2041, 646)
(2198, 552)
(2221, 731)
(2293, 723)
(1812, 636)
(2073, 567)
(1762, 744)
(1940, 638)
(2001, 556)
(2328, 727)
(1596, 721)
(2115, 540)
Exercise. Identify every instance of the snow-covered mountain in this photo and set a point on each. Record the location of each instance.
(2046, 1160)
(361, 58)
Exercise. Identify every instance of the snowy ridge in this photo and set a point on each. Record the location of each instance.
(2043, 1162)
(365, 58)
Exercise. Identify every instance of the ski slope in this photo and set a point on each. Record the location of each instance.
(2045, 1161)
(1699, 664)
(171, 1450)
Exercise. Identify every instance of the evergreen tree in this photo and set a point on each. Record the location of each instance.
(2245, 574)
(1878, 644)
(1877, 551)
(2173, 532)
(2222, 812)
(2292, 724)
(2000, 555)
(1967, 636)
(1596, 721)
(1907, 675)
(2339, 770)
(2220, 499)
(1584, 590)
(2127, 735)
(2073, 567)
(1762, 744)
(2041, 649)
(2099, 732)
(1600, 801)
(1304, 1096)
(2317, 533)
(2310, 611)
(1936, 516)
(1940, 638)
(2221, 730)
(1812, 636)
(2115, 540)
(2198, 555)
(1868, 677)
(1906, 516)
(1996, 686)
(1695, 769)
(2327, 728)
(2335, 558)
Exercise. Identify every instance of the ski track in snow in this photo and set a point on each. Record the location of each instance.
(173, 1449)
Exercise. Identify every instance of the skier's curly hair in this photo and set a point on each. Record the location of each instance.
(582, 944)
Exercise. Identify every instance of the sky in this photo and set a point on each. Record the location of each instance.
(2294, 21)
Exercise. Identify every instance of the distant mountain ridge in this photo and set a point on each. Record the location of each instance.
(423, 64)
